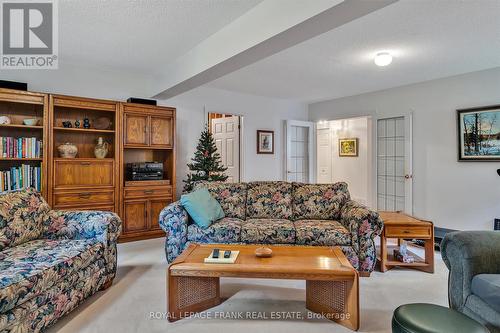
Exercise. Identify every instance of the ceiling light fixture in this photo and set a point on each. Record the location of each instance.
(383, 59)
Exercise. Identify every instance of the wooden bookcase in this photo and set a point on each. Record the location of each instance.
(137, 133)
(148, 135)
(84, 182)
(19, 105)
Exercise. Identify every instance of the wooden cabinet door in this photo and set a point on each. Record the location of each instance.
(156, 206)
(136, 129)
(162, 131)
(70, 173)
(135, 214)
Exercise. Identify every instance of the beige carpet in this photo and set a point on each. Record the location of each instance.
(139, 289)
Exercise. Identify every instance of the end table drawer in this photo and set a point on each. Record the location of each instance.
(422, 232)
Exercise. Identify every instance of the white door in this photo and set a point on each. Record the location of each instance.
(324, 153)
(299, 151)
(394, 164)
(227, 139)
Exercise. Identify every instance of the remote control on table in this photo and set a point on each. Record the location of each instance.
(227, 254)
(215, 255)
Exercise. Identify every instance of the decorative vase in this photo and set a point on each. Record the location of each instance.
(86, 123)
(67, 150)
(77, 123)
(101, 149)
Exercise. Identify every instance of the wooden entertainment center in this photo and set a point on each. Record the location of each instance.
(134, 133)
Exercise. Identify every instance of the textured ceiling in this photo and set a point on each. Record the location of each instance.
(429, 39)
(139, 36)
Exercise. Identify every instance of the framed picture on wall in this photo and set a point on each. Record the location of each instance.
(265, 142)
(479, 134)
(348, 147)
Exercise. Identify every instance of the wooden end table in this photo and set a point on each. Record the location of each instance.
(401, 226)
(332, 284)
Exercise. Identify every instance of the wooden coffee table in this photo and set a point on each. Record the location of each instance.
(331, 282)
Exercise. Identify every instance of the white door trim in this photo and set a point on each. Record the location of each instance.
(311, 145)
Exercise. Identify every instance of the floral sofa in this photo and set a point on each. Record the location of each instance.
(280, 213)
(50, 261)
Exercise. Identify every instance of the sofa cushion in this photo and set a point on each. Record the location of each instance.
(319, 201)
(321, 232)
(231, 196)
(21, 217)
(226, 230)
(29, 269)
(268, 231)
(487, 287)
(202, 207)
(272, 200)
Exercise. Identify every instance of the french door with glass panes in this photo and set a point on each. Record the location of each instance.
(394, 164)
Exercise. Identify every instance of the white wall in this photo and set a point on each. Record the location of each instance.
(258, 113)
(84, 81)
(352, 170)
(455, 195)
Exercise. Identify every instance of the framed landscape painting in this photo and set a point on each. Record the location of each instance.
(348, 147)
(479, 134)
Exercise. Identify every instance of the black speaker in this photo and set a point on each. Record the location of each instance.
(496, 225)
(141, 101)
(13, 85)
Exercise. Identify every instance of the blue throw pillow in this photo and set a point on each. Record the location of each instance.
(202, 207)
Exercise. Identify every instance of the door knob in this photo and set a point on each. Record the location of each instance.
(408, 176)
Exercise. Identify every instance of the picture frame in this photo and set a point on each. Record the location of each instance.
(348, 147)
(478, 132)
(265, 142)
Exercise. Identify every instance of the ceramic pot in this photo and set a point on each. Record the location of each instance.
(67, 150)
(101, 148)
(4, 120)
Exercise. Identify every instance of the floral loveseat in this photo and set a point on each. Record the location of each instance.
(50, 261)
(280, 213)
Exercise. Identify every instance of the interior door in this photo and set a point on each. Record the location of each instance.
(324, 160)
(394, 164)
(227, 139)
(299, 151)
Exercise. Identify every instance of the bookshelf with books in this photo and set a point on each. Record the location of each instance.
(23, 139)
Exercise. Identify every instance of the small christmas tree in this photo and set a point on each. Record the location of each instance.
(207, 164)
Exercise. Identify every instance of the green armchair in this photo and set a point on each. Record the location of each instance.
(473, 259)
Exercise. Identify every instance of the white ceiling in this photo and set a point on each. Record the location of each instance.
(429, 40)
(139, 36)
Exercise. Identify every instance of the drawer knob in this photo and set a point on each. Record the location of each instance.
(406, 231)
(85, 163)
(84, 195)
(149, 192)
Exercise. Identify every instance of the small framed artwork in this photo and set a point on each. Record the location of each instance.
(265, 142)
(348, 147)
(479, 134)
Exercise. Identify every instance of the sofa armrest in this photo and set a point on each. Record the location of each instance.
(104, 227)
(174, 221)
(466, 254)
(364, 225)
(98, 226)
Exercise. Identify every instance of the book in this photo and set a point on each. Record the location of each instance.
(19, 177)
(23, 147)
(221, 259)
